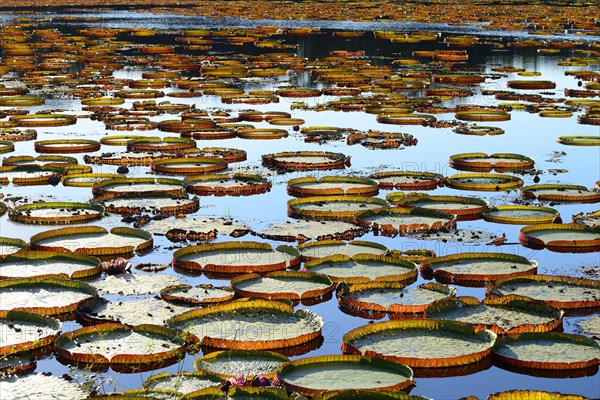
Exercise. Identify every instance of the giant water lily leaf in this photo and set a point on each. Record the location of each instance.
(56, 213)
(326, 248)
(306, 160)
(306, 230)
(484, 182)
(560, 291)
(194, 229)
(289, 285)
(421, 343)
(41, 386)
(465, 208)
(336, 208)
(232, 363)
(182, 383)
(502, 315)
(124, 348)
(24, 331)
(163, 205)
(560, 192)
(332, 186)
(10, 246)
(314, 375)
(499, 162)
(564, 238)
(394, 220)
(548, 350)
(136, 187)
(133, 284)
(250, 392)
(368, 394)
(533, 395)
(253, 325)
(407, 180)
(236, 184)
(48, 263)
(202, 294)
(521, 215)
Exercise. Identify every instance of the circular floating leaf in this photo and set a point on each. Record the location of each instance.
(139, 187)
(502, 315)
(10, 246)
(264, 133)
(477, 269)
(477, 130)
(43, 120)
(250, 325)
(156, 205)
(201, 295)
(133, 284)
(24, 331)
(465, 208)
(482, 115)
(28, 174)
(421, 343)
(326, 248)
(93, 240)
(227, 154)
(39, 386)
(49, 264)
(559, 291)
(579, 140)
(182, 383)
(549, 350)
(337, 208)
(314, 375)
(125, 158)
(6, 146)
(125, 349)
(520, 215)
(368, 394)
(564, 238)
(366, 299)
(499, 162)
(56, 213)
(44, 296)
(302, 231)
(236, 257)
(250, 392)
(188, 165)
(118, 140)
(288, 285)
(364, 268)
(306, 160)
(559, 192)
(531, 84)
(249, 363)
(484, 182)
(332, 186)
(61, 146)
(533, 395)
(405, 180)
(86, 180)
(391, 221)
(17, 135)
(228, 185)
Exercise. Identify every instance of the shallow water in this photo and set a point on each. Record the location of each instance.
(526, 134)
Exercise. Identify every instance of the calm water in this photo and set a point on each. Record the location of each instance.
(526, 133)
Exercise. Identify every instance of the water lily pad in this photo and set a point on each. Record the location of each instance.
(559, 291)
(564, 238)
(44, 296)
(306, 160)
(314, 375)
(10, 246)
(61, 146)
(46, 160)
(379, 298)
(250, 392)
(288, 285)
(86, 180)
(156, 205)
(133, 284)
(228, 154)
(302, 231)
(18, 364)
(484, 182)
(363, 268)
(41, 386)
(182, 383)
(127, 311)
(477, 269)
(482, 115)
(326, 248)
(24, 331)
(201, 295)
(591, 219)
(368, 394)
(125, 349)
(407, 180)
(232, 363)
(533, 395)
(93, 240)
(560, 192)
(332, 186)
(499, 162)
(502, 315)
(139, 187)
(50, 264)
(520, 215)
(477, 130)
(250, 325)
(335, 208)
(579, 140)
(590, 326)
(228, 185)
(164, 145)
(29, 174)
(549, 350)
(56, 213)
(236, 257)
(126, 158)
(188, 165)
(393, 220)
(465, 208)
(421, 343)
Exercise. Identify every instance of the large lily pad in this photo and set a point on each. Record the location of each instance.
(520, 215)
(315, 375)
(337, 208)
(194, 229)
(200, 295)
(87, 179)
(368, 394)
(232, 363)
(125, 349)
(550, 350)
(50, 264)
(332, 186)
(393, 220)
(24, 331)
(28, 174)
(465, 208)
(364, 268)
(326, 248)
(93, 240)
(499, 162)
(559, 291)
(133, 284)
(484, 182)
(62, 146)
(188, 165)
(288, 285)
(302, 231)
(378, 298)
(182, 383)
(306, 160)
(421, 343)
(44, 296)
(139, 187)
(533, 395)
(560, 192)
(228, 185)
(157, 205)
(10, 246)
(56, 213)
(407, 180)
(39, 386)
(236, 257)
(501, 315)
(250, 325)
(126, 158)
(564, 238)
(477, 269)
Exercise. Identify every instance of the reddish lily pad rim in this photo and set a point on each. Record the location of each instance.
(305, 276)
(226, 354)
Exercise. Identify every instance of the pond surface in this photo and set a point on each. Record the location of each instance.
(526, 133)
